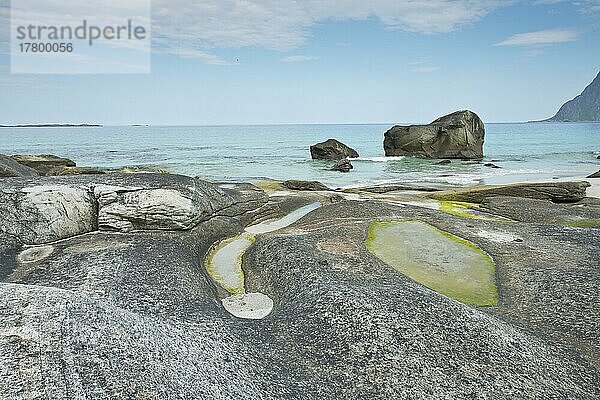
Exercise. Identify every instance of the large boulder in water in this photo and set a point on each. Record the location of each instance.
(332, 150)
(457, 135)
(10, 167)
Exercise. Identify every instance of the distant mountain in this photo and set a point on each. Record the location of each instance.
(585, 107)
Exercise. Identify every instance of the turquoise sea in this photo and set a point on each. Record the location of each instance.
(527, 151)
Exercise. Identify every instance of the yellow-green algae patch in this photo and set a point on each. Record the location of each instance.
(461, 209)
(583, 223)
(224, 262)
(438, 260)
(270, 187)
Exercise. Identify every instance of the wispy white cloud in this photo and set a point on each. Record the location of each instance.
(422, 66)
(584, 6)
(191, 53)
(197, 29)
(424, 69)
(298, 58)
(540, 38)
(536, 52)
(276, 25)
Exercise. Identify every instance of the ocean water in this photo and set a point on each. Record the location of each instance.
(247, 153)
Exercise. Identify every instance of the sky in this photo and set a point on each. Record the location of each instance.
(225, 62)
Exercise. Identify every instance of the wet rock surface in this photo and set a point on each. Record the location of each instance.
(457, 135)
(134, 313)
(342, 166)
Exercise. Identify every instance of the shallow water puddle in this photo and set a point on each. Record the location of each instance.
(224, 265)
(276, 224)
(438, 260)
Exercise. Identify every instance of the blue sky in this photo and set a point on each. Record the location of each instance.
(269, 61)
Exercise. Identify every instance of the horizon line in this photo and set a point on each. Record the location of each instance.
(100, 125)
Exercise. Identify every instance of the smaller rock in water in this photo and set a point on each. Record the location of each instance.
(311, 186)
(595, 175)
(342, 166)
(249, 305)
(445, 162)
(491, 165)
(332, 150)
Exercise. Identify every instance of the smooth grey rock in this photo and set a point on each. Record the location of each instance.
(543, 211)
(10, 168)
(362, 322)
(305, 185)
(171, 202)
(342, 166)
(44, 164)
(46, 211)
(332, 150)
(134, 315)
(558, 192)
(250, 204)
(392, 188)
(114, 316)
(52, 208)
(457, 135)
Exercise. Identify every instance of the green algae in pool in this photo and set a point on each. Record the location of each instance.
(438, 260)
(465, 210)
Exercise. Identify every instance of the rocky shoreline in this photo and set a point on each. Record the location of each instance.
(105, 292)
